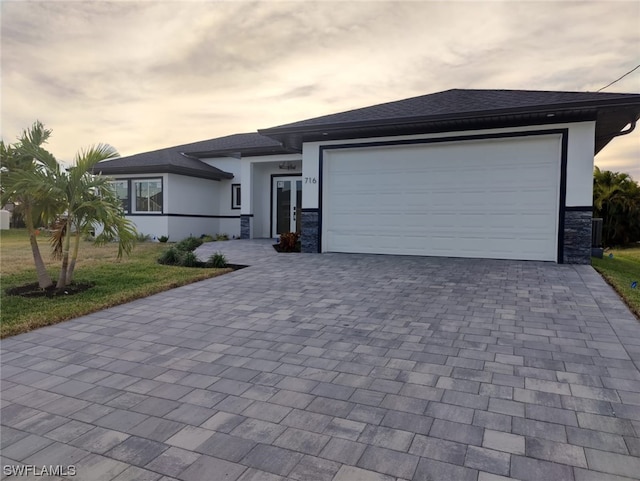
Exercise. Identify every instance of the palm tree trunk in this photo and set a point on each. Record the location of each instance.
(44, 279)
(62, 279)
(74, 257)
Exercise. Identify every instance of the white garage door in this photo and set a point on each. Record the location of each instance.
(493, 198)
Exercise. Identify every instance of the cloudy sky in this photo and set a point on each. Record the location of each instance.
(143, 75)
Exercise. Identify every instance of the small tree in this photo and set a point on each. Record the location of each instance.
(72, 201)
(27, 182)
(616, 198)
(89, 203)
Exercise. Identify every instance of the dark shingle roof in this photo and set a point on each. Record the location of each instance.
(451, 108)
(443, 111)
(249, 144)
(184, 159)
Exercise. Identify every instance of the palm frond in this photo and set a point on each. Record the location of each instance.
(58, 230)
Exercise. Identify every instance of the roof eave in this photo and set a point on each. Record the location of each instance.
(245, 152)
(549, 108)
(611, 122)
(429, 125)
(163, 169)
(610, 117)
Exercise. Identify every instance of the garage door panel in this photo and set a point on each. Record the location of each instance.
(428, 222)
(445, 246)
(493, 198)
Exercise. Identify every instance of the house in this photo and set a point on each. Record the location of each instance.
(195, 189)
(503, 174)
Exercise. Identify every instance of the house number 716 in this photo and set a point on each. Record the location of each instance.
(310, 180)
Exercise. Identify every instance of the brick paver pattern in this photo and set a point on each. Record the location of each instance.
(337, 367)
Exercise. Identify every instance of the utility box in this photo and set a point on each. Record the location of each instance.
(5, 219)
(596, 238)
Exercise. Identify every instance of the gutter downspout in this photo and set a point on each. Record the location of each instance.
(631, 128)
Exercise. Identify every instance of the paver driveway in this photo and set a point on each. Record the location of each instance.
(337, 367)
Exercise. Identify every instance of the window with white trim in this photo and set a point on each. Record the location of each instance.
(148, 195)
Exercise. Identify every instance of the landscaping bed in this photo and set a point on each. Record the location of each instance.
(34, 290)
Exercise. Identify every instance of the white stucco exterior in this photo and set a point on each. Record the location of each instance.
(190, 195)
(196, 206)
(154, 226)
(580, 158)
(191, 206)
(580, 161)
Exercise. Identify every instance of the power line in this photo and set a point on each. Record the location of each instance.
(618, 79)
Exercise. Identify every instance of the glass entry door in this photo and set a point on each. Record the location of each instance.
(287, 202)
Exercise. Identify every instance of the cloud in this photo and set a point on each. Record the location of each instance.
(144, 75)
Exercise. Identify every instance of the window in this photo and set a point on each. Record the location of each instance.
(235, 196)
(121, 188)
(148, 195)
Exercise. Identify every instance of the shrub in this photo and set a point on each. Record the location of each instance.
(222, 237)
(189, 259)
(217, 260)
(206, 238)
(171, 257)
(163, 238)
(616, 199)
(140, 237)
(181, 254)
(189, 244)
(289, 241)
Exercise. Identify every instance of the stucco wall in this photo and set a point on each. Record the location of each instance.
(580, 164)
(190, 195)
(152, 225)
(223, 188)
(579, 159)
(191, 206)
(181, 227)
(200, 197)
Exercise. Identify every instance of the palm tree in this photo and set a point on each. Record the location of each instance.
(26, 181)
(616, 198)
(89, 203)
(72, 201)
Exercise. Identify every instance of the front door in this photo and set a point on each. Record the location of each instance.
(287, 202)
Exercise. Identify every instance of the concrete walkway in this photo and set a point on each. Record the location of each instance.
(336, 367)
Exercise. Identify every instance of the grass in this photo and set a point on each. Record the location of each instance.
(116, 281)
(620, 271)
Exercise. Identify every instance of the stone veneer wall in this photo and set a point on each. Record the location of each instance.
(310, 231)
(245, 227)
(577, 237)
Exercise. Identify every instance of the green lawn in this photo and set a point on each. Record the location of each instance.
(620, 271)
(116, 282)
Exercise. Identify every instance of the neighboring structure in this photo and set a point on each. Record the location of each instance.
(5, 219)
(503, 174)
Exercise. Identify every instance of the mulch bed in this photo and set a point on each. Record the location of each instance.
(34, 290)
(279, 249)
(236, 267)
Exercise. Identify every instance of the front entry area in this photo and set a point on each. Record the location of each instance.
(286, 200)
